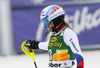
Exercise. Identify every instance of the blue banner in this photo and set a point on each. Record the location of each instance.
(35, 2)
(31, 2)
(84, 19)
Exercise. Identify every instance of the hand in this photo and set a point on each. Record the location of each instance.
(31, 44)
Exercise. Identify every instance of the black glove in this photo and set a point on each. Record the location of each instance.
(32, 44)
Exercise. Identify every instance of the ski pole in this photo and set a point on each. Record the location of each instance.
(32, 56)
(29, 53)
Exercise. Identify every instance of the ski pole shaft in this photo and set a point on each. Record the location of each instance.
(33, 57)
(35, 64)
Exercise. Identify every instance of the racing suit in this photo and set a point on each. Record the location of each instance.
(64, 50)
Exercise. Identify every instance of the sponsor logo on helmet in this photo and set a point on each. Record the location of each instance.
(58, 7)
(53, 39)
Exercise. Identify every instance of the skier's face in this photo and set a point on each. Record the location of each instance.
(50, 26)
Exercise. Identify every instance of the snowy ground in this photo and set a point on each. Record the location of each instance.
(91, 59)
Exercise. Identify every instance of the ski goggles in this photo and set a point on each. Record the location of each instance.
(46, 22)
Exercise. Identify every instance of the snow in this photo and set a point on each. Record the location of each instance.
(91, 59)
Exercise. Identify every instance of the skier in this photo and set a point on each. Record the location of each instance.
(63, 46)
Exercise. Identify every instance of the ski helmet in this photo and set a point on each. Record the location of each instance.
(51, 12)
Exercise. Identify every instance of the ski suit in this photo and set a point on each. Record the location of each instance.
(64, 50)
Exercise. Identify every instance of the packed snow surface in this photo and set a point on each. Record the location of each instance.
(91, 59)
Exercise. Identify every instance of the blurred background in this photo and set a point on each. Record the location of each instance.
(20, 21)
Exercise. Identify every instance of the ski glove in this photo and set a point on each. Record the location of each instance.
(32, 44)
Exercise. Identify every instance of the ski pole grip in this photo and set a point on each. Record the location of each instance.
(30, 49)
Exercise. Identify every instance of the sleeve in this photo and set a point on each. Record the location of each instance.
(71, 40)
(43, 45)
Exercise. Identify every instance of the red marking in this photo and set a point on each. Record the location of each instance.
(70, 38)
(62, 26)
(42, 13)
(55, 9)
(81, 64)
(65, 64)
